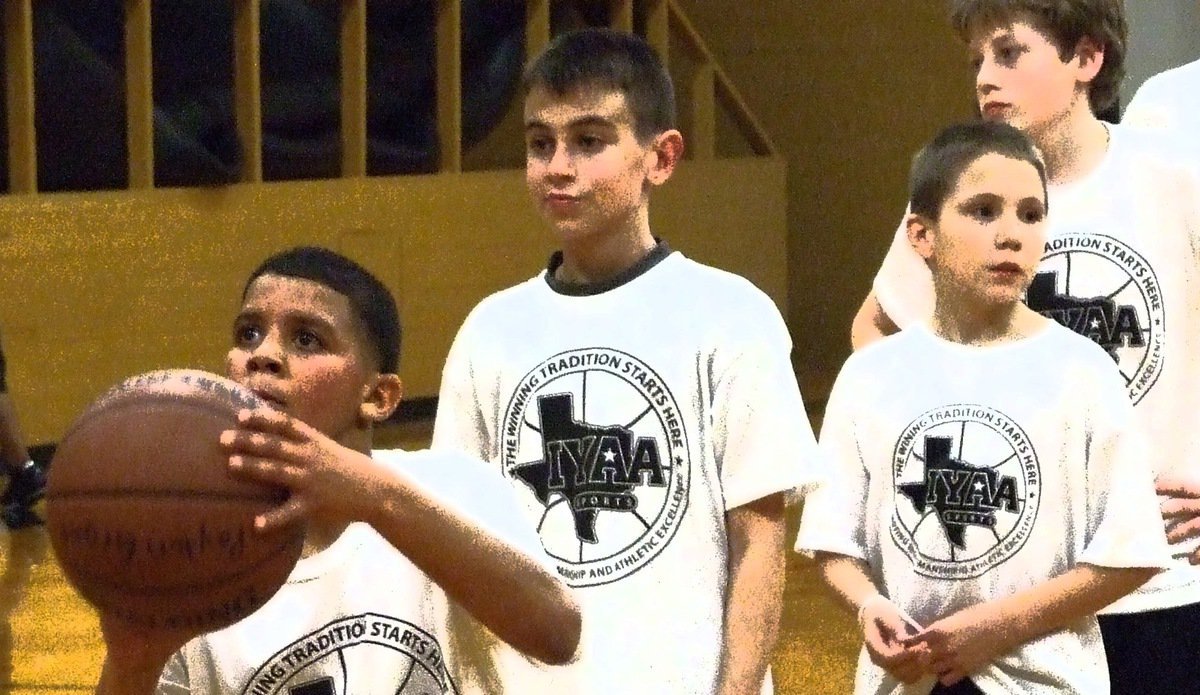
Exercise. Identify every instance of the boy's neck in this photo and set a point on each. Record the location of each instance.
(1073, 147)
(976, 326)
(596, 258)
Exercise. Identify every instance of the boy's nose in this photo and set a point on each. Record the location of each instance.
(266, 358)
(560, 164)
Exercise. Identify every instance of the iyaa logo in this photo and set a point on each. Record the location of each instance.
(597, 438)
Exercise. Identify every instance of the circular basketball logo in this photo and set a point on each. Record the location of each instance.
(360, 653)
(967, 489)
(598, 440)
(1101, 288)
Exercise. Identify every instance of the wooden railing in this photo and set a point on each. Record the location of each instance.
(708, 90)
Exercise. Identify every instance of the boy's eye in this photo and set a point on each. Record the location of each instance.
(1033, 215)
(984, 211)
(307, 340)
(590, 142)
(539, 145)
(246, 334)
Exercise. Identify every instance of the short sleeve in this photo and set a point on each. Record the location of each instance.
(1149, 109)
(835, 511)
(762, 437)
(904, 286)
(1125, 525)
(459, 424)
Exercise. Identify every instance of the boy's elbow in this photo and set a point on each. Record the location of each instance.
(559, 643)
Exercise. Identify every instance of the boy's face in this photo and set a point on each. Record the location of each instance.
(989, 238)
(297, 344)
(585, 168)
(1020, 78)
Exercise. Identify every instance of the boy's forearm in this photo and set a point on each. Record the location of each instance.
(1065, 599)
(121, 679)
(754, 601)
(848, 577)
(507, 591)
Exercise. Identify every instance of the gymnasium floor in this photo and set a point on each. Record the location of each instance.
(50, 639)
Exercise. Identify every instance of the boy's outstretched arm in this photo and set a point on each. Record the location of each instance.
(962, 642)
(135, 656)
(507, 590)
(883, 625)
(754, 601)
(870, 323)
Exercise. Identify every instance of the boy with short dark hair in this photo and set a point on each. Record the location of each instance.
(387, 532)
(642, 405)
(988, 492)
(1120, 265)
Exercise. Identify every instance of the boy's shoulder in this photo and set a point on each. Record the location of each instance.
(717, 290)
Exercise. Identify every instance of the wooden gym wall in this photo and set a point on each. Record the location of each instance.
(98, 286)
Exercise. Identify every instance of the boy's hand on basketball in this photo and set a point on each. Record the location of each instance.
(884, 629)
(325, 478)
(962, 643)
(1180, 509)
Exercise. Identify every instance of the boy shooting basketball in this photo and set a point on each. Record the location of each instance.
(642, 406)
(1120, 265)
(318, 338)
(988, 491)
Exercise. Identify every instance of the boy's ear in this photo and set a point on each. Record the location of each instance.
(1090, 56)
(663, 156)
(380, 398)
(921, 234)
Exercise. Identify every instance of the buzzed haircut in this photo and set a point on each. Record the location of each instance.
(937, 167)
(1064, 22)
(607, 58)
(371, 302)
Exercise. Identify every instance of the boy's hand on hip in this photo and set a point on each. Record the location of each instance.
(325, 478)
(1180, 504)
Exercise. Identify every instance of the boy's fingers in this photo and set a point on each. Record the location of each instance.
(261, 445)
(1175, 487)
(270, 421)
(1177, 506)
(264, 470)
(1182, 531)
(290, 512)
(951, 677)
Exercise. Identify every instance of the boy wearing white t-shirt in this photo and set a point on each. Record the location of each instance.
(1170, 101)
(1121, 266)
(390, 536)
(987, 491)
(643, 406)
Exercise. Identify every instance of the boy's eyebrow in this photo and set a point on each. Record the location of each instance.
(581, 122)
(290, 315)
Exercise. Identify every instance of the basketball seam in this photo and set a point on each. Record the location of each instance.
(95, 580)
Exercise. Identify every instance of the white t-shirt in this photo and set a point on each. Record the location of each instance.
(356, 618)
(1169, 100)
(630, 419)
(964, 474)
(1122, 266)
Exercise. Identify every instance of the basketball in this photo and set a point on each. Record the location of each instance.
(144, 517)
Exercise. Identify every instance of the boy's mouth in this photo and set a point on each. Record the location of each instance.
(273, 400)
(994, 109)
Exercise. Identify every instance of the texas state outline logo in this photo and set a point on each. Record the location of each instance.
(967, 490)
(1102, 289)
(597, 438)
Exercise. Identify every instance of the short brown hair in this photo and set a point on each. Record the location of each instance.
(1065, 22)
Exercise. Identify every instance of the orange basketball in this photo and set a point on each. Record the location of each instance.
(144, 517)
